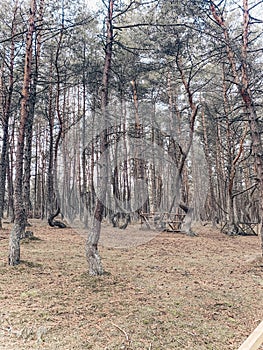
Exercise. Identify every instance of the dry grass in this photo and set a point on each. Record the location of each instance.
(174, 292)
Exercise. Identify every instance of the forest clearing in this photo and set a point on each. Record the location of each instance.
(129, 111)
(173, 292)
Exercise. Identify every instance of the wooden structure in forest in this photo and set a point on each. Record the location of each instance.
(255, 339)
(245, 228)
(250, 228)
(163, 221)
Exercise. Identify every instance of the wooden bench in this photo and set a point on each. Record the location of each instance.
(163, 221)
(249, 228)
(255, 339)
(175, 225)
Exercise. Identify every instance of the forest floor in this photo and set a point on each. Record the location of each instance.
(172, 292)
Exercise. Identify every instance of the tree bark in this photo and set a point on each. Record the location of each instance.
(53, 194)
(30, 119)
(241, 78)
(20, 217)
(50, 173)
(6, 117)
(213, 214)
(92, 253)
(184, 153)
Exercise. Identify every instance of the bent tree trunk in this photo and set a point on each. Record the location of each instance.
(184, 153)
(55, 223)
(92, 253)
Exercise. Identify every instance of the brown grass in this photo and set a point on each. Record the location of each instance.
(174, 292)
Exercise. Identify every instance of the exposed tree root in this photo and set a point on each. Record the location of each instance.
(55, 223)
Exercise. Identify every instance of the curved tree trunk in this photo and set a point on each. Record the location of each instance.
(53, 199)
(184, 153)
(92, 253)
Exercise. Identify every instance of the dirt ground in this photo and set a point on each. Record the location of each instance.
(172, 292)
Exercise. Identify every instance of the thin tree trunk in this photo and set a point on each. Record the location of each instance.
(10, 183)
(20, 217)
(60, 122)
(139, 190)
(50, 172)
(6, 117)
(210, 171)
(241, 78)
(92, 253)
(31, 114)
(36, 179)
(53, 195)
(184, 153)
(255, 128)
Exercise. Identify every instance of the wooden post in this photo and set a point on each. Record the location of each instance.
(255, 339)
